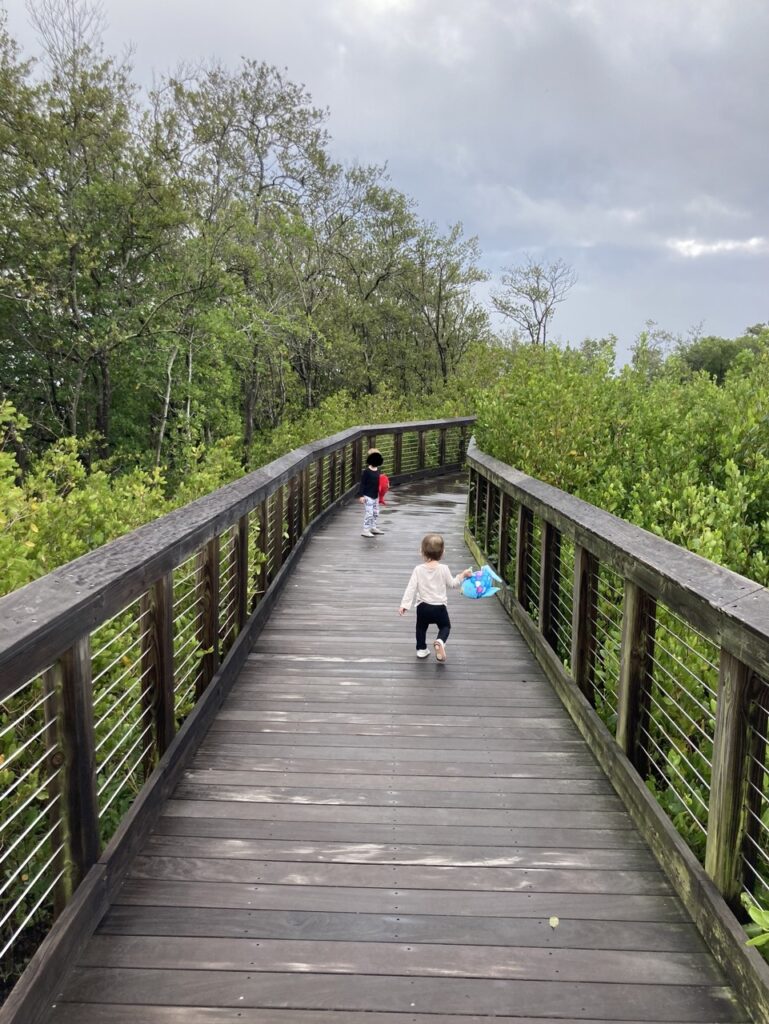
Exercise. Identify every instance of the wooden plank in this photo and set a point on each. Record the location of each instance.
(606, 1001)
(456, 930)
(101, 1013)
(166, 842)
(399, 959)
(225, 820)
(579, 906)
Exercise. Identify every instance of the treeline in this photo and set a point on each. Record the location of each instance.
(677, 441)
(191, 263)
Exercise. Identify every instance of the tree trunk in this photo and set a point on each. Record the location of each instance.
(166, 404)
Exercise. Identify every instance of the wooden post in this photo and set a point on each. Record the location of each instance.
(305, 485)
(157, 659)
(583, 620)
(209, 618)
(241, 573)
(333, 473)
(398, 453)
(55, 789)
(729, 778)
(480, 482)
(549, 566)
(262, 570)
(292, 512)
(523, 552)
(442, 447)
(277, 539)
(76, 731)
(638, 626)
(758, 713)
(319, 506)
(462, 444)
(489, 515)
(421, 459)
(505, 512)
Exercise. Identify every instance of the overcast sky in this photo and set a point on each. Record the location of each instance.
(630, 137)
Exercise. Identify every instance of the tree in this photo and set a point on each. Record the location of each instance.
(530, 293)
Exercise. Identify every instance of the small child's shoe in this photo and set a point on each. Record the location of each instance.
(423, 654)
(367, 533)
(377, 531)
(440, 650)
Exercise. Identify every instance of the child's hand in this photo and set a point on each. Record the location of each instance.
(467, 574)
(362, 500)
(402, 611)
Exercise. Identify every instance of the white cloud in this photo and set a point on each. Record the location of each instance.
(692, 249)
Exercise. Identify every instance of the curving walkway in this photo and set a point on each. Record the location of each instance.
(368, 839)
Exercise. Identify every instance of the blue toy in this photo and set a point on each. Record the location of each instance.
(481, 583)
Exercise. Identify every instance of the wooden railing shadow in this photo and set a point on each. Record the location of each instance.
(113, 667)
(662, 659)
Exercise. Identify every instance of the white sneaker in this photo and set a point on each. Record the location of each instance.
(423, 654)
(367, 533)
(440, 650)
(376, 530)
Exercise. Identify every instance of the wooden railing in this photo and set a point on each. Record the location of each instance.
(662, 657)
(103, 660)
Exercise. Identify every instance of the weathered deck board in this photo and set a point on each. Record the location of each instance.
(364, 837)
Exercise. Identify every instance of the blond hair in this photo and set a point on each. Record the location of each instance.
(432, 547)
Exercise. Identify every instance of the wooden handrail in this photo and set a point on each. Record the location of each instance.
(38, 622)
(111, 666)
(731, 608)
(627, 712)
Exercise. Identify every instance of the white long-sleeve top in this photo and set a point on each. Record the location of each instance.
(428, 584)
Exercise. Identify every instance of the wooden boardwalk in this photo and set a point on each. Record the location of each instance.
(364, 837)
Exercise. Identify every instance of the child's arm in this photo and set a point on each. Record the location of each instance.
(456, 581)
(408, 594)
(360, 495)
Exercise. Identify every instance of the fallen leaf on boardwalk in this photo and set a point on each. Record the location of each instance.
(554, 922)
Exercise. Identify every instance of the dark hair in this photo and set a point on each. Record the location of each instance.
(374, 457)
(432, 546)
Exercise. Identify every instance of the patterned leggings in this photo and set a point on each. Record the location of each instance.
(370, 513)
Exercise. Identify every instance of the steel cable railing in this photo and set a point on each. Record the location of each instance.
(103, 660)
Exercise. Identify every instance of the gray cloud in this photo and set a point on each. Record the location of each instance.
(628, 138)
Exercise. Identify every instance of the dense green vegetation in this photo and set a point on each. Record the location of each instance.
(658, 442)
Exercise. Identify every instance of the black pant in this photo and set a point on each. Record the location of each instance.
(429, 615)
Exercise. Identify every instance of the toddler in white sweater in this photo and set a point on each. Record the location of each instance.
(427, 586)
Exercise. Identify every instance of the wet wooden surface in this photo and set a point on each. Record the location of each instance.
(365, 838)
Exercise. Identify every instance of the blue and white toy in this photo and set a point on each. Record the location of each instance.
(481, 583)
